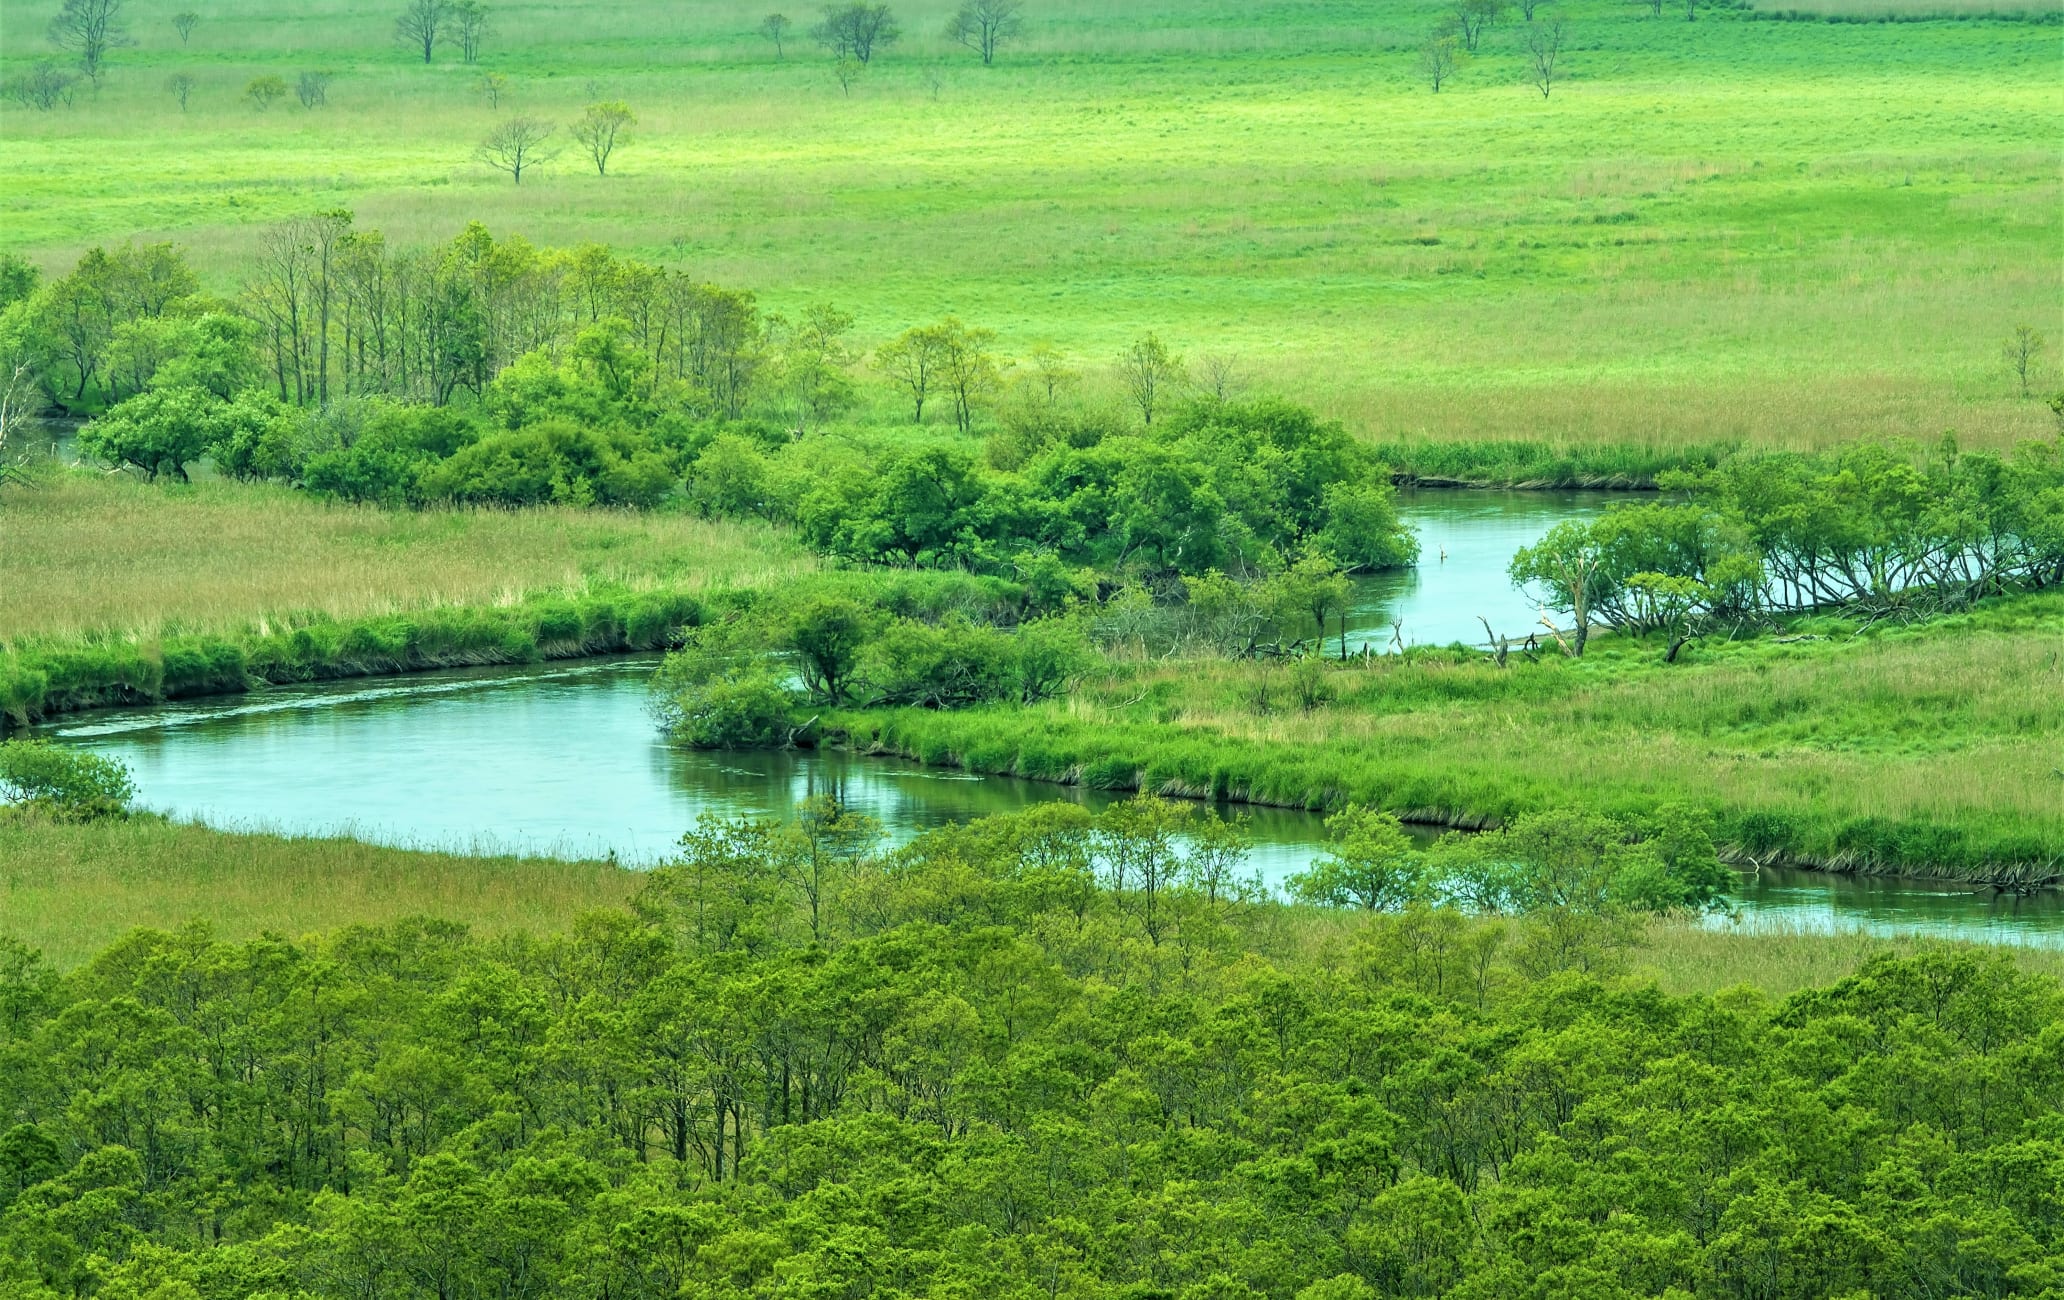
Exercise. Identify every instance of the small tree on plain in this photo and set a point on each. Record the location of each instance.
(87, 30)
(1527, 8)
(181, 85)
(857, 31)
(184, 24)
(1219, 376)
(847, 73)
(911, 360)
(968, 369)
(2021, 352)
(264, 92)
(1150, 370)
(421, 25)
(313, 89)
(775, 28)
(493, 85)
(44, 87)
(516, 146)
(1050, 372)
(1472, 18)
(1439, 58)
(601, 129)
(983, 25)
(1544, 46)
(469, 24)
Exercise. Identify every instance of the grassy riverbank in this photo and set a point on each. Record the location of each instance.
(70, 891)
(121, 592)
(1930, 750)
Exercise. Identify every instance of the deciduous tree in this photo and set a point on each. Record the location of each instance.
(856, 31)
(1149, 370)
(775, 28)
(601, 129)
(313, 89)
(181, 84)
(2021, 352)
(184, 24)
(469, 24)
(421, 25)
(88, 30)
(984, 25)
(1544, 47)
(516, 146)
(1439, 58)
(263, 92)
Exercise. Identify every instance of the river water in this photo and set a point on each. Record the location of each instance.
(565, 760)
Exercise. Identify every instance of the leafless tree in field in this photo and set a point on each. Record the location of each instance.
(516, 146)
(775, 28)
(856, 31)
(983, 25)
(313, 89)
(1439, 58)
(1544, 46)
(1220, 376)
(469, 24)
(184, 24)
(2021, 352)
(87, 30)
(181, 85)
(421, 25)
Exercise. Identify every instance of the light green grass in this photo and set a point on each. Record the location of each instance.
(90, 554)
(72, 890)
(1785, 232)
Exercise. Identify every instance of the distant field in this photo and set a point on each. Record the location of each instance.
(86, 554)
(1793, 232)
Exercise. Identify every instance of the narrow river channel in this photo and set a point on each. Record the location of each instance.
(565, 759)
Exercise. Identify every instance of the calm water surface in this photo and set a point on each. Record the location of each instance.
(566, 760)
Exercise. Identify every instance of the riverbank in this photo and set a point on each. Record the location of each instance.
(71, 891)
(1926, 751)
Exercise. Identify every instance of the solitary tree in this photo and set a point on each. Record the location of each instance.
(469, 24)
(1439, 58)
(2021, 352)
(775, 28)
(181, 85)
(313, 88)
(847, 73)
(1544, 44)
(1149, 369)
(184, 24)
(601, 129)
(1567, 562)
(1472, 18)
(517, 145)
(421, 25)
(1219, 376)
(982, 25)
(968, 368)
(911, 360)
(264, 92)
(87, 30)
(493, 85)
(856, 31)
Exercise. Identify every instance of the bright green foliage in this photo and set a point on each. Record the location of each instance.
(67, 784)
(1023, 1057)
(1372, 864)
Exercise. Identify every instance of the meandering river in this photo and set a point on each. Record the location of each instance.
(565, 759)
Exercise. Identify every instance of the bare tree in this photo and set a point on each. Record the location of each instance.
(1472, 18)
(313, 89)
(421, 25)
(469, 24)
(493, 85)
(1439, 58)
(1544, 45)
(2021, 352)
(983, 25)
(856, 31)
(42, 88)
(1219, 376)
(848, 71)
(87, 30)
(1527, 8)
(1150, 370)
(601, 129)
(775, 28)
(181, 85)
(1691, 11)
(184, 24)
(517, 145)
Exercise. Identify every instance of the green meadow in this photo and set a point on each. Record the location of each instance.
(1784, 232)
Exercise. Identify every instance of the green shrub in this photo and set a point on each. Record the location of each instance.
(66, 784)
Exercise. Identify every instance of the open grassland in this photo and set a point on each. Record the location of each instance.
(1927, 751)
(87, 555)
(1787, 232)
(72, 890)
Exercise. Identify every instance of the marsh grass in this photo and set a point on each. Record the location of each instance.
(71, 890)
(88, 555)
(1684, 957)
(1931, 750)
(1653, 255)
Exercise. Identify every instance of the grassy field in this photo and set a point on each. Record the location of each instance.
(71, 890)
(1928, 751)
(1788, 232)
(88, 554)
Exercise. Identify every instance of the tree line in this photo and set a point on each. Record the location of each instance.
(1039, 1055)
